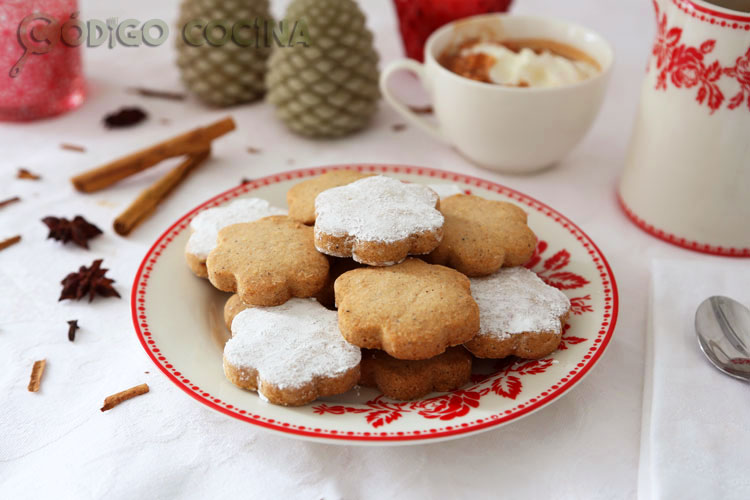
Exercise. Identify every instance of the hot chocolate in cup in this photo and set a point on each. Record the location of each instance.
(526, 123)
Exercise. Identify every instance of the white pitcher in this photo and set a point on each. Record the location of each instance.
(687, 174)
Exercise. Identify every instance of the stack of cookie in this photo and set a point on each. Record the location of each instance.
(369, 280)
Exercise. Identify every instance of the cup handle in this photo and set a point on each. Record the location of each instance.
(407, 64)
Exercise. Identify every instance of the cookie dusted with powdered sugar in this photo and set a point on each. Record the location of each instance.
(404, 380)
(519, 315)
(301, 197)
(291, 354)
(207, 224)
(378, 221)
(412, 310)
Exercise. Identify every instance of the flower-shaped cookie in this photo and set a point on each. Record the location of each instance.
(301, 197)
(403, 379)
(378, 221)
(232, 308)
(480, 236)
(412, 310)
(291, 354)
(519, 315)
(268, 261)
(206, 226)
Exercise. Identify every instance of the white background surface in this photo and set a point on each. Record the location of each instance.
(57, 443)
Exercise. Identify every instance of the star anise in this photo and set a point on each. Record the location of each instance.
(88, 281)
(79, 230)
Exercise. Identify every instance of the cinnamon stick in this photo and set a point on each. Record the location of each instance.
(149, 199)
(72, 147)
(9, 242)
(25, 173)
(9, 201)
(115, 399)
(194, 141)
(163, 94)
(36, 375)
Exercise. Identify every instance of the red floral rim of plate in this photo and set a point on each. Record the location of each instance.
(708, 14)
(681, 242)
(604, 334)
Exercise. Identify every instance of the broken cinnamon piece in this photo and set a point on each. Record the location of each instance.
(72, 147)
(9, 201)
(9, 242)
(149, 199)
(73, 326)
(24, 173)
(36, 375)
(194, 141)
(421, 110)
(115, 399)
(163, 94)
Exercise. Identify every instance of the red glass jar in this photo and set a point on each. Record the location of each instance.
(419, 18)
(41, 72)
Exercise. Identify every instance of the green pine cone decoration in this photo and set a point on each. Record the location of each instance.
(229, 73)
(329, 88)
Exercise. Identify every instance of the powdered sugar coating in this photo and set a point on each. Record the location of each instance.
(445, 190)
(290, 345)
(514, 300)
(207, 224)
(377, 209)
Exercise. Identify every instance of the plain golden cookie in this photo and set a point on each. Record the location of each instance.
(337, 267)
(268, 261)
(412, 310)
(480, 235)
(403, 379)
(206, 225)
(301, 197)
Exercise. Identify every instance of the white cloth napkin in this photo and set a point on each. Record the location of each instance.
(695, 438)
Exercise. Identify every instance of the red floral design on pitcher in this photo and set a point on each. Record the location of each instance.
(740, 71)
(686, 67)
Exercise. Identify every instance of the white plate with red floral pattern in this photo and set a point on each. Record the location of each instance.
(178, 319)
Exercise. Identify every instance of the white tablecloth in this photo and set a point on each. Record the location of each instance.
(57, 444)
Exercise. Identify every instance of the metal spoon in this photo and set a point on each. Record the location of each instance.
(723, 328)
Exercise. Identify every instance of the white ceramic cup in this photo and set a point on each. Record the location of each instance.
(505, 128)
(687, 175)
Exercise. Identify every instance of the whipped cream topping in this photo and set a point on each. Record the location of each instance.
(529, 68)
